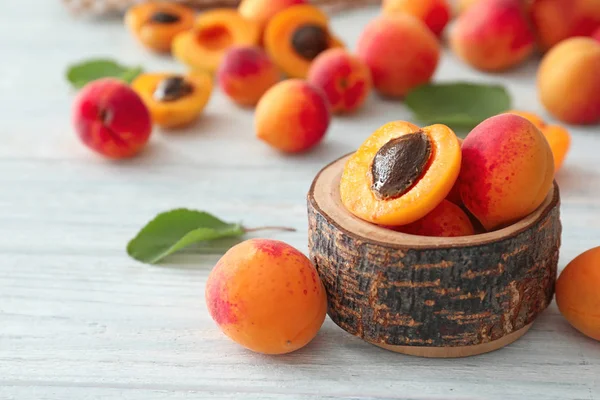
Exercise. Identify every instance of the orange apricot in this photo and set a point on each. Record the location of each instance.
(246, 73)
(174, 100)
(557, 20)
(507, 170)
(292, 116)
(400, 173)
(401, 53)
(493, 35)
(296, 36)
(266, 296)
(343, 77)
(568, 81)
(156, 23)
(577, 293)
(446, 220)
(261, 11)
(214, 31)
(434, 13)
(557, 136)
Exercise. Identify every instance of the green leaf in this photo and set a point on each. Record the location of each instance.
(460, 105)
(83, 72)
(173, 230)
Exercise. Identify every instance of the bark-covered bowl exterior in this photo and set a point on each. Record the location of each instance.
(414, 294)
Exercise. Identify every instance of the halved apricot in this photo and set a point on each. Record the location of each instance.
(214, 31)
(174, 100)
(296, 36)
(156, 23)
(401, 173)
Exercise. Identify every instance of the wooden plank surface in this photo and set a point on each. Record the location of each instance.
(80, 320)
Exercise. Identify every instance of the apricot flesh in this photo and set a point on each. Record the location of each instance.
(434, 13)
(507, 170)
(568, 81)
(445, 220)
(261, 11)
(493, 35)
(266, 296)
(246, 73)
(292, 116)
(343, 77)
(417, 200)
(400, 51)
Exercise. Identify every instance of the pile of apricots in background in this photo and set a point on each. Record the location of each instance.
(282, 58)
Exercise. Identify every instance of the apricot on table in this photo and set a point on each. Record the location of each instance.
(246, 73)
(156, 23)
(493, 35)
(110, 118)
(557, 20)
(266, 296)
(557, 136)
(343, 77)
(174, 100)
(292, 116)
(568, 81)
(296, 36)
(401, 53)
(507, 170)
(214, 31)
(434, 13)
(400, 173)
(577, 294)
(261, 11)
(446, 220)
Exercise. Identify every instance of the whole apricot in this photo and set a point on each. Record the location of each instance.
(401, 53)
(246, 73)
(446, 220)
(507, 170)
(577, 293)
(266, 296)
(493, 35)
(343, 77)
(261, 11)
(292, 116)
(110, 118)
(568, 81)
(434, 13)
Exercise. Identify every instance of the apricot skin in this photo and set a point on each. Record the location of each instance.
(557, 20)
(266, 296)
(246, 73)
(596, 35)
(345, 79)
(568, 81)
(493, 35)
(110, 118)
(577, 294)
(261, 11)
(446, 220)
(434, 13)
(507, 170)
(292, 116)
(401, 53)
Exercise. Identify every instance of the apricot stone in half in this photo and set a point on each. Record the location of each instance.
(204, 46)
(296, 36)
(174, 101)
(401, 173)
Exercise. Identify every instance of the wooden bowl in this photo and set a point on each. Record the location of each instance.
(426, 296)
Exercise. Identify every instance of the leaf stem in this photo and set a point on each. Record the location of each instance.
(270, 228)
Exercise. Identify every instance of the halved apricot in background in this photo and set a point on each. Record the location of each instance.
(213, 33)
(401, 173)
(296, 36)
(174, 100)
(156, 23)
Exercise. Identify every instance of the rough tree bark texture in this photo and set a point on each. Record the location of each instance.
(440, 296)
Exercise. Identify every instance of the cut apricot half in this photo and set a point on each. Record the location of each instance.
(214, 31)
(295, 36)
(401, 173)
(174, 100)
(156, 23)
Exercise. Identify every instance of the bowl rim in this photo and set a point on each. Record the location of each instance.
(380, 236)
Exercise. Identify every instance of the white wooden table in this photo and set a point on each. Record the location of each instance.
(80, 320)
